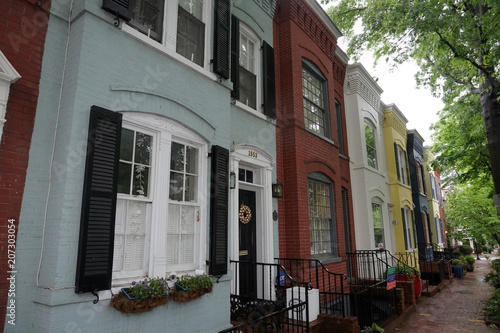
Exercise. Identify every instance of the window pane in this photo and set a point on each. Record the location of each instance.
(143, 148)
(141, 180)
(190, 37)
(194, 7)
(127, 145)
(248, 90)
(124, 175)
(176, 186)
(147, 17)
(320, 217)
(190, 191)
(191, 160)
(177, 157)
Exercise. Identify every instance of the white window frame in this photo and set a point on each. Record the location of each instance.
(251, 35)
(168, 43)
(374, 133)
(407, 228)
(165, 132)
(381, 223)
(402, 165)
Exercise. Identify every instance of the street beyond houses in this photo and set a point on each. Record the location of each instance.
(459, 307)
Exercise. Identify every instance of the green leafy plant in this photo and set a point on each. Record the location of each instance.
(493, 308)
(195, 282)
(470, 260)
(407, 271)
(465, 249)
(374, 327)
(149, 287)
(460, 262)
(493, 278)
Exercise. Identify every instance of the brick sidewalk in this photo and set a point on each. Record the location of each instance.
(457, 308)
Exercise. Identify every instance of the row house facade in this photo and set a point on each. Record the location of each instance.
(155, 124)
(398, 171)
(373, 213)
(435, 200)
(316, 215)
(23, 30)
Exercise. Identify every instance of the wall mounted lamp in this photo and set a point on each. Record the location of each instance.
(277, 189)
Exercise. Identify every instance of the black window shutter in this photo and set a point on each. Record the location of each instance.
(97, 225)
(221, 38)
(407, 163)
(269, 92)
(235, 56)
(120, 8)
(219, 211)
(397, 160)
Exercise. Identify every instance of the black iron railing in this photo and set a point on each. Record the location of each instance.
(332, 293)
(370, 300)
(265, 298)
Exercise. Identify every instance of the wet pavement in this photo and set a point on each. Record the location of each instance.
(458, 307)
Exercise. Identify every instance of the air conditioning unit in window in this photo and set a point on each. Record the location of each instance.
(296, 295)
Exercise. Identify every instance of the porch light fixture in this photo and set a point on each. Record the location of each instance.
(277, 190)
(232, 180)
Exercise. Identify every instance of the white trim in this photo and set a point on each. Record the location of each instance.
(8, 75)
(169, 37)
(252, 36)
(165, 132)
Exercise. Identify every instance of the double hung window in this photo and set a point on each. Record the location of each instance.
(321, 215)
(401, 165)
(180, 25)
(407, 227)
(315, 99)
(249, 65)
(420, 177)
(378, 225)
(371, 152)
(159, 210)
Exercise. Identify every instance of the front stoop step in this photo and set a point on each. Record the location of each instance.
(433, 290)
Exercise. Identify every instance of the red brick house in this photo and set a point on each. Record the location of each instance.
(23, 27)
(315, 213)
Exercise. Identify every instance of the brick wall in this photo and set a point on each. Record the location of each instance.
(300, 34)
(23, 26)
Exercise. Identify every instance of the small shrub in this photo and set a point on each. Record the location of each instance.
(374, 327)
(195, 282)
(494, 307)
(470, 260)
(465, 249)
(460, 262)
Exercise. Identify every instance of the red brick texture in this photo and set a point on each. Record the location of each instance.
(300, 34)
(23, 27)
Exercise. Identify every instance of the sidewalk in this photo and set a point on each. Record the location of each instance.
(457, 308)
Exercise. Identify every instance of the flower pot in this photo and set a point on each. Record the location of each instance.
(124, 303)
(417, 283)
(183, 295)
(458, 271)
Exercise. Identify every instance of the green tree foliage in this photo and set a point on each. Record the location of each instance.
(460, 142)
(455, 43)
(470, 211)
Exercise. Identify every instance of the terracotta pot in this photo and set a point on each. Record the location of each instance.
(417, 284)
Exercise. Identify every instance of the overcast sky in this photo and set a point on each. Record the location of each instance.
(418, 105)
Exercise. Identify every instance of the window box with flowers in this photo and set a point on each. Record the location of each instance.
(142, 296)
(189, 287)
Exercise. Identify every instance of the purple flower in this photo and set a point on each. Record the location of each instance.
(133, 283)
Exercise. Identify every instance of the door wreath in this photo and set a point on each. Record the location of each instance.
(245, 214)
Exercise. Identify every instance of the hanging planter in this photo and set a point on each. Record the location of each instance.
(143, 296)
(189, 288)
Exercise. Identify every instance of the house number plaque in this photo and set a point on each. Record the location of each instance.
(252, 153)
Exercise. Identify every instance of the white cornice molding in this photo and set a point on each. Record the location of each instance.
(359, 81)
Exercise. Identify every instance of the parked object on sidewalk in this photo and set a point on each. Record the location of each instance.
(458, 271)
(407, 273)
(470, 262)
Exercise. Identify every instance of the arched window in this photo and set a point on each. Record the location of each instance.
(315, 97)
(371, 151)
(322, 229)
(378, 225)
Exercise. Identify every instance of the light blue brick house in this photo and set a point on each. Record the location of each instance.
(155, 123)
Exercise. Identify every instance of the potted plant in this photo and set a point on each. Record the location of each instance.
(457, 266)
(470, 263)
(190, 287)
(372, 329)
(407, 273)
(142, 296)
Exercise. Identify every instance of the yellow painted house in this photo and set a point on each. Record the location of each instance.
(399, 178)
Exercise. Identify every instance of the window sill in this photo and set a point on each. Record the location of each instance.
(321, 137)
(327, 259)
(163, 49)
(248, 109)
